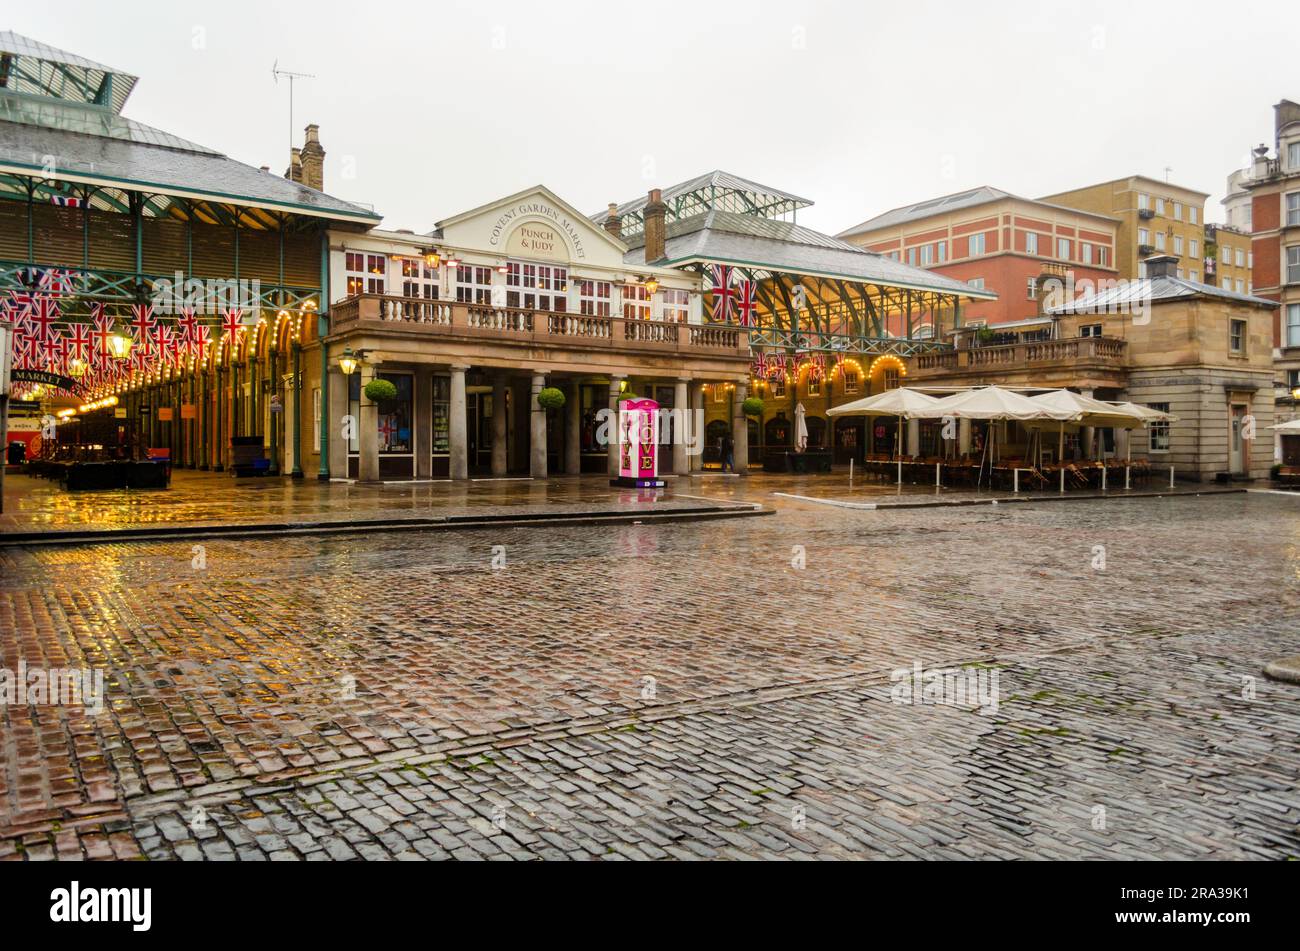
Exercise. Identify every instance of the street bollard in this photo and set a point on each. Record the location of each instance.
(937, 469)
(1171, 477)
(1127, 471)
(850, 473)
(1103, 478)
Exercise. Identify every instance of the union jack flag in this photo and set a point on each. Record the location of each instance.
(79, 342)
(758, 369)
(198, 341)
(54, 350)
(776, 365)
(232, 321)
(99, 336)
(142, 325)
(187, 323)
(723, 293)
(18, 307)
(66, 201)
(747, 304)
(41, 317)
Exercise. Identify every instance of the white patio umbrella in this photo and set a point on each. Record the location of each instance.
(900, 402)
(993, 402)
(1292, 426)
(800, 428)
(1089, 412)
(1147, 414)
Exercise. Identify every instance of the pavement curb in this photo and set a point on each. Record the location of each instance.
(449, 522)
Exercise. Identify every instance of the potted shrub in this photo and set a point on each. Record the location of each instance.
(382, 393)
(550, 398)
(753, 406)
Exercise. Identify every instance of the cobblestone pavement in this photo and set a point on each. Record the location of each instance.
(688, 690)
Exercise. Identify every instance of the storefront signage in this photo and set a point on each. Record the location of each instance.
(164, 414)
(535, 229)
(44, 378)
(188, 411)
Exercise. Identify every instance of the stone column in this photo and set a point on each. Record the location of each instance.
(697, 415)
(963, 437)
(457, 426)
(422, 435)
(615, 391)
(368, 434)
(681, 462)
(500, 426)
(537, 430)
(339, 385)
(913, 437)
(740, 428)
(573, 430)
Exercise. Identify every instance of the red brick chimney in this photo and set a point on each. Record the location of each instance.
(613, 223)
(313, 159)
(655, 236)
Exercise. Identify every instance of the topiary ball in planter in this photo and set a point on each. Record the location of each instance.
(753, 406)
(380, 391)
(550, 398)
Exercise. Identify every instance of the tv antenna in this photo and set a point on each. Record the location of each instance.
(276, 73)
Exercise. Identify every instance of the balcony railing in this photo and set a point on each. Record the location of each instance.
(1103, 351)
(379, 313)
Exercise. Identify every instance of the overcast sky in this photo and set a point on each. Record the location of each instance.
(429, 109)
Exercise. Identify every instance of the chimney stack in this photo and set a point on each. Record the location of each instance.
(613, 223)
(313, 159)
(1162, 265)
(655, 236)
(294, 171)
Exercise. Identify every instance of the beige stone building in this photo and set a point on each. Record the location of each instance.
(1155, 218)
(1195, 350)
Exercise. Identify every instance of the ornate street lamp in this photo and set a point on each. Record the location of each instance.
(347, 362)
(119, 346)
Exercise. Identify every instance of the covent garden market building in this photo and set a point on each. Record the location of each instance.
(170, 299)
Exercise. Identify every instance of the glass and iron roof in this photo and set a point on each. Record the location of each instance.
(57, 103)
(716, 190)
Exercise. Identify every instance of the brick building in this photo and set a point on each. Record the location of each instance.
(996, 241)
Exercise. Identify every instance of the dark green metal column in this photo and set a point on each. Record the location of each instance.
(322, 330)
(297, 410)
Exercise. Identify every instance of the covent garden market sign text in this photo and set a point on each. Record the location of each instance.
(534, 238)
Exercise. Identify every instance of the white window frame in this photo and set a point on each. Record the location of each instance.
(1293, 264)
(1160, 240)
(418, 279)
(1293, 155)
(1031, 242)
(676, 304)
(535, 286)
(1158, 430)
(1063, 249)
(1193, 213)
(1193, 248)
(595, 298)
(1178, 245)
(852, 383)
(474, 284)
(364, 272)
(636, 302)
(1293, 325)
(1293, 207)
(977, 244)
